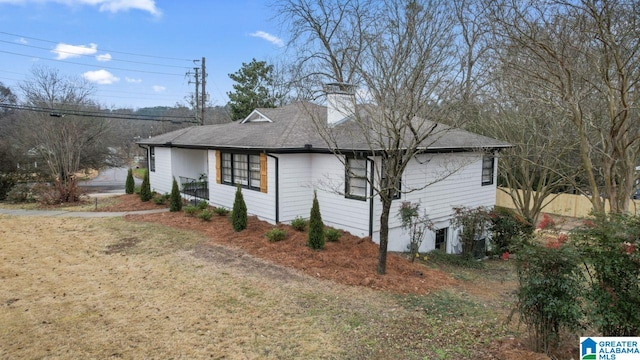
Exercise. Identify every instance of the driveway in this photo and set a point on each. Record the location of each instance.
(109, 180)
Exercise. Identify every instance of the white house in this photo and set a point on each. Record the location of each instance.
(278, 157)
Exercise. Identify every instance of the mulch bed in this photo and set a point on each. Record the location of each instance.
(350, 261)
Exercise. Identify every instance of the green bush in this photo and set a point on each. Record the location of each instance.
(221, 211)
(299, 223)
(550, 286)
(315, 238)
(20, 193)
(159, 200)
(205, 215)
(145, 190)
(7, 182)
(190, 210)
(441, 257)
(203, 204)
(130, 184)
(474, 223)
(508, 227)
(239, 212)
(415, 224)
(332, 235)
(610, 247)
(275, 234)
(175, 200)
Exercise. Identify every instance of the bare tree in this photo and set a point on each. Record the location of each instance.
(582, 58)
(401, 53)
(66, 143)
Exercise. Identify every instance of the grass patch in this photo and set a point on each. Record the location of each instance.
(129, 289)
(139, 173)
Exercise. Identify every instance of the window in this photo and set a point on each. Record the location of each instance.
(242, 169)
(441, 239)
(152, 158)
(356, 178)
(487, 169)
(396, 193)
(226, 168)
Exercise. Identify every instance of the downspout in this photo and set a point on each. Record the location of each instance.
(277, 187)
(372, 173)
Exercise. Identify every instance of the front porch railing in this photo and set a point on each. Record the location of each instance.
(196, 189)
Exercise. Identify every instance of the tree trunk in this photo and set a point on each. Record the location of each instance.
(384, 232)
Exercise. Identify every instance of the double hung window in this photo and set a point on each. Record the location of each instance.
(356, 178)
(487, 169)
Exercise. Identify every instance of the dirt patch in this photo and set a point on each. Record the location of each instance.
(122, 245)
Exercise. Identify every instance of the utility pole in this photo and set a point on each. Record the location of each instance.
(197, 110)
(204, 93)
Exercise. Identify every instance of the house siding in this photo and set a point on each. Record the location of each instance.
(161, 179)
(296, 186)
(258, 203)
(461, 188)
(337, 211)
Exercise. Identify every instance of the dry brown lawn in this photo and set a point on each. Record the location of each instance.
(172, 286)
(74, 288)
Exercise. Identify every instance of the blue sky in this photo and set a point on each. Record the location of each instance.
(101, 40)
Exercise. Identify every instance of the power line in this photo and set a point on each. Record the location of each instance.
(113, 51)
(99, 114)
(93, 66)
(90, 56)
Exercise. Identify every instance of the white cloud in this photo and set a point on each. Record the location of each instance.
(130, 80)
(65, 51)
(270, 38)
(102, 77)
(113, 6)
(124, 5)
(103, 57)
(22, 41)
(158, 88)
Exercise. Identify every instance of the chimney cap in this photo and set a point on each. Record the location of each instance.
(339, 88)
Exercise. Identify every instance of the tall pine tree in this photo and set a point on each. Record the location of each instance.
(253, 89)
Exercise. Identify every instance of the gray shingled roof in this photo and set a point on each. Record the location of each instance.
(293, 128)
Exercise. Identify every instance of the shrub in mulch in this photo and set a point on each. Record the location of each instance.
(351, 261)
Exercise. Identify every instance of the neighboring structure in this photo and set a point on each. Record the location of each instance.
(279, 158)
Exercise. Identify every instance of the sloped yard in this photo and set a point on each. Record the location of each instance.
(168, 285)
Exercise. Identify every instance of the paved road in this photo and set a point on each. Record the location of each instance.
(78, 214)
(110, 180)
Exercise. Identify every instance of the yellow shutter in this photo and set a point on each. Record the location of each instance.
(218, 167)
(263, 172)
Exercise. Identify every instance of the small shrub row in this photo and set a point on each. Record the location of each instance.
(191, 210)
(332, 235)
(161, 199)
(221, 211)
(275, 234)
(299, 223)
(205, 215)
